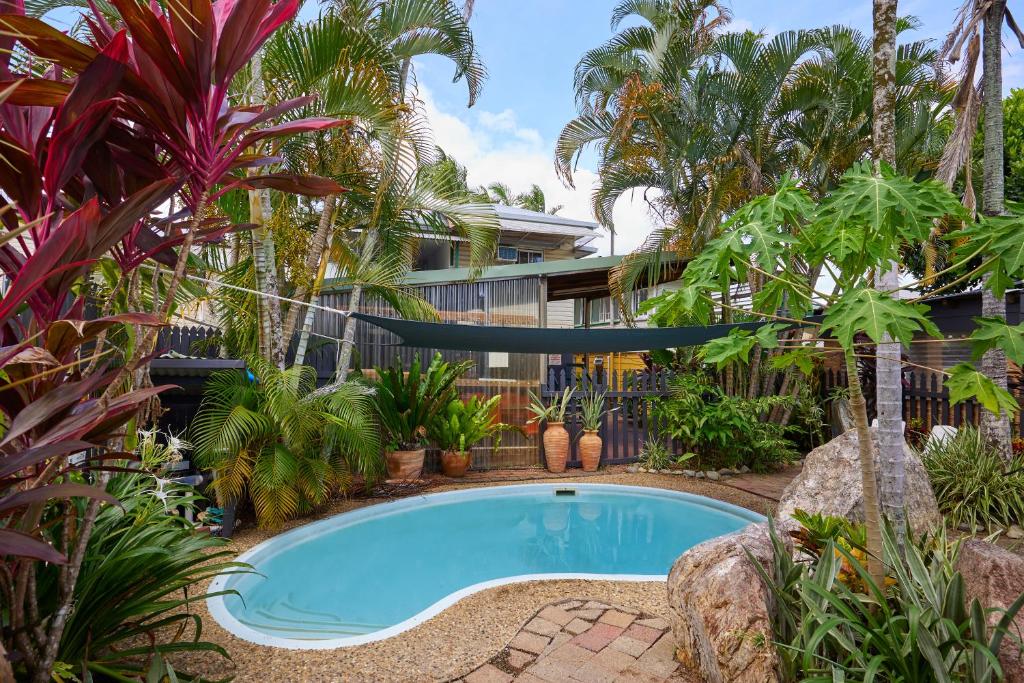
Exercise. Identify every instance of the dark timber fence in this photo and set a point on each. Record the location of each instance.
(926, 401)
(627, 423)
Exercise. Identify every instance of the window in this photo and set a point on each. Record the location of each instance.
(577, 312)
(600, 311)
(508, 253)
(453, 255)
(530, 256)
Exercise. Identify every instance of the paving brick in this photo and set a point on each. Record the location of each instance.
(543, 627)
(591, 614)
(528, 677)
(632, 675)
(644, 633)
(571, 604)
(631, 646)
(571, 654)
(594, 604)
(577, 626)
(556, 615)
(517, 659)
(659, 660)
(617, 618)
(598, 636)
(488, 674)
(553, 670)
(655, 622)
(605, 667)
(530, 642)
(557, 641)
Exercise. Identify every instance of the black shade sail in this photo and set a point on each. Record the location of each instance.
(547, 340)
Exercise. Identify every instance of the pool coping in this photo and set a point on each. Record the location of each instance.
(218, 609)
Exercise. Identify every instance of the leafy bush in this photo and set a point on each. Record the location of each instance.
(972, 484)
(918, 627)
(464, 423)
(407, 401)
(282, 443)
(723, 430)
(655, 455)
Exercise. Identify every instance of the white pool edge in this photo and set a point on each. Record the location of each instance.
(219, 611)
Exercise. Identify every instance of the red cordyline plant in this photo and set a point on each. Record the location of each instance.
(94, 138)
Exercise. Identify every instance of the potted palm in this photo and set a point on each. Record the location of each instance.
(405, 403)
(462, 424)
(556, 439)
(591, 412)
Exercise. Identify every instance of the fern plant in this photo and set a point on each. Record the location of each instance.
(276, 440)
(407, 401)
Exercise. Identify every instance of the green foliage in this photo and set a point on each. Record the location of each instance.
(407, 401)
(876, 314)
(966, 382)
(972, 484)
(464, 423)
(917, 628)
(140, 579)
(591, 411)
(723, 430)
(737, 345)
(655, 455)
(551, 412)
(995, 333)
(277, 440)
(1013, 144)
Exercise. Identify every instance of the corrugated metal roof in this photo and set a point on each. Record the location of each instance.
(516, 214)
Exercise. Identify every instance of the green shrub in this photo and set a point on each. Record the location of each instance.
(407, 401)
(462, 424)
(917, 628)
(972, 484)
(655, 455)
(723, 430)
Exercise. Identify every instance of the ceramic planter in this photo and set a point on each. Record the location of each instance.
(556, 446)
(455, 463)
(405, 464)
(590, 451)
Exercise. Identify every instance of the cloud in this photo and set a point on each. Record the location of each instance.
(496, 147)
(739, 25)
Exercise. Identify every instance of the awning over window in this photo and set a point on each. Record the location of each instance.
(544, 340)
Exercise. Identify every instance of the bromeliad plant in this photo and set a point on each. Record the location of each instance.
(865, 223)
(407, 401)
(553, 411)
(464, 423)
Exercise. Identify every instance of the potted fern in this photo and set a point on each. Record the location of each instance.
(591, 412)
(461, 425)
(556, 439)
(405, 403)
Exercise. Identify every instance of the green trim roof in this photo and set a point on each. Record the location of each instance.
(512, 270)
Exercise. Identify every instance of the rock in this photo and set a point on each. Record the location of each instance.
(677, 472)
(721, 612)
(830, 484)
(1014, 532)
(665, 470)
(632, 469)
(712, 475)
(744, 469)
(689, 473)
(995, 577)
(699, 475)
(727, 471)
(641, 469)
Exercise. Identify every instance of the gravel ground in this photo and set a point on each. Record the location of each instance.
(458, 639)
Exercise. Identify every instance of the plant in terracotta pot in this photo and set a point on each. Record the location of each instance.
(556, 439)
(406, 402)
(591, 412)
(461, 425)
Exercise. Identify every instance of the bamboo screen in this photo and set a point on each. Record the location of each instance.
(510, 302)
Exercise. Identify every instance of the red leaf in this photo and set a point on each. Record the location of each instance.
(21, 545)
(52, 405)
(52, 491)
(98, 82)
(36, 92)
(291, 128)
(47, 42)
(11, 464)
(309, 185)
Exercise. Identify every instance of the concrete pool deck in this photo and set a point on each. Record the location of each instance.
(463, 637)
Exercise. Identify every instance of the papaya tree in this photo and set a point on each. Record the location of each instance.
(852, 234)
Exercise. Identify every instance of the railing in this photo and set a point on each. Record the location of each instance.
(925, 399)
(627, 423)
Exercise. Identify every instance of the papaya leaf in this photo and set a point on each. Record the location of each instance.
(995, 333)
(966, 382)
(875, 313)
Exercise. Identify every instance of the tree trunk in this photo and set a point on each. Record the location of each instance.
(888, 376)
(355, 298)
(866, 453)
(994, 428)
(307, 323)
(320, 243)
(264, 253)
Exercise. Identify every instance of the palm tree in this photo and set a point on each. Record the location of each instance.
(965, 42)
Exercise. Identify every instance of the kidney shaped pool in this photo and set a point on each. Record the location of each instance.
(377, 571)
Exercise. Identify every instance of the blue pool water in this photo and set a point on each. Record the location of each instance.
(371, 573)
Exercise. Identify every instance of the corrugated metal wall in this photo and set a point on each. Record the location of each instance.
(511, 302)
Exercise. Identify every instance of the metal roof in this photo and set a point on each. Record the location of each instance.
(512, 270)
(514, 214)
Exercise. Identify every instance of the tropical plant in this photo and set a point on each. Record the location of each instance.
(592, 410)
(407, 401)
(555, 410)
(916, 625)
(462, 424)
(139, 580)
(724, 431)
(655, 455)
(972, 483)
(275, 440)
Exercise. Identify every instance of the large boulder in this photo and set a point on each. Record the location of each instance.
(995, 577)
(830, 484)
(722, 611)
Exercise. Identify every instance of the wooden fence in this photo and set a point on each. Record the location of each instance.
(926, 400)
(198, 341)
(627, 423)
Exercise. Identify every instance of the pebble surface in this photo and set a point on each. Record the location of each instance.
(454, 642)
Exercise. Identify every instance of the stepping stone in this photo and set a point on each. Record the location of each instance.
(643, 633)
(555, 615)
(577, 626)
(517, 659)
(631, 646)
(488, 673)
(530, 642)
(617, 618)
(543, 627)
(598, 637)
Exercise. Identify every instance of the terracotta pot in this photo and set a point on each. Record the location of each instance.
(455, 463)
(590, 451)
(556, 446)
(405, 464)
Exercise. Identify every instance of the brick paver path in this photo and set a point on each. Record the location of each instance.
(585, 641)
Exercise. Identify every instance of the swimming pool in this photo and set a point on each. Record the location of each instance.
(372, 573)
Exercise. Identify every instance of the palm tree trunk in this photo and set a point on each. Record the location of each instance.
(355, 298)
(320, 243)
(889, 385)
(307, 323)
(866, 453)
(994, 428)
